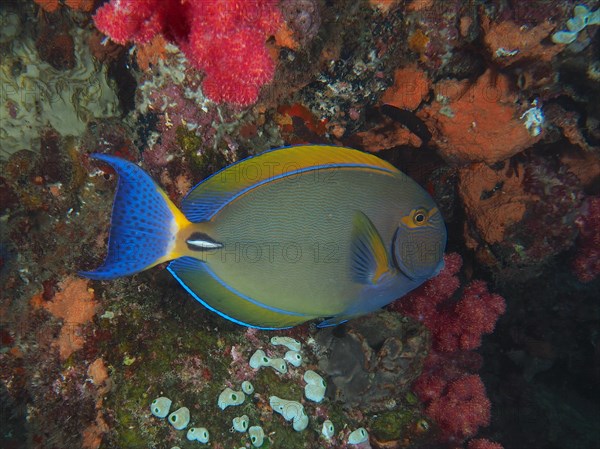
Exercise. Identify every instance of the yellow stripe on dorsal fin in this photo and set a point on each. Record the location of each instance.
(210, 195)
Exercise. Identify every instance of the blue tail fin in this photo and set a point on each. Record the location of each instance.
(142, 225)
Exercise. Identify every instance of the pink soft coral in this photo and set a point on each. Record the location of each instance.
(586, 264)
(223, 38)
(454, 325)
(462, 408)
(453, 394)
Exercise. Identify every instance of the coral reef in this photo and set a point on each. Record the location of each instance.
(54, 5)
(411, 87)
(510, 42)
(480, 122)
(462, 408)
(474, 100)
(37, 94)
(586, 263)
(74, 303)
(520, 217)
(455, 325)
(303, 17)
(455, 398)
(482, 443)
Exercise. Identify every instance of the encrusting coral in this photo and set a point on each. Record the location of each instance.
(75, 304)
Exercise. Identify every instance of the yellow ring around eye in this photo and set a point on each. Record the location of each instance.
(418, 217)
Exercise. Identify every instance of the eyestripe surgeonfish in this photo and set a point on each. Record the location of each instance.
(287, 236)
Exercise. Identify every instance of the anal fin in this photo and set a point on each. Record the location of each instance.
(199, 280)
(334, 321)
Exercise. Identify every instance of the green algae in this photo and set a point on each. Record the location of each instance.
(202, 159)
(165, 331)
(411, 398)
(155, 339)
(268, 382)
(390, 426)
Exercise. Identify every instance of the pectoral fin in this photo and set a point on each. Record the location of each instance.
(370, 261)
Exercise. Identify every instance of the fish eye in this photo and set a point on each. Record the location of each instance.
(419, 217)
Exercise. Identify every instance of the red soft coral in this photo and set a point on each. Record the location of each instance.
(482, 443)
(586, 264)
(127, 20)
(223, 38)
(454, 325)
(462, 408)
(231, 76)
(454, 395)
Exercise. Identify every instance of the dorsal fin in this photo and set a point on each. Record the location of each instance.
(208, 197)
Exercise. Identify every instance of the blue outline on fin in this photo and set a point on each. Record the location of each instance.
(185, 207)
(139, 236)
(330, 322)
(223, 315)
(291, 173)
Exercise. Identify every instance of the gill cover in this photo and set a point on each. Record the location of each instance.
(419, 243)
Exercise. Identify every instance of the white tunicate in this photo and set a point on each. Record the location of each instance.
(580, 10)
(228, 397)
(247, 387)
(278, 365)
(277, 404)
(257, 435)
(240, 423)
(198, 434)
(259, 359)
(577, 23)
(314, 393)
(160, 407)
(564, 37)
(293, 358)
(582, 17)
(291, 411)
(313, 378)
(180, 418)
(288, 342)
(300, 422)
(203, 435)
(288, 409)
(315, 386)
(191, 433)
(328, 430)
(360, 435)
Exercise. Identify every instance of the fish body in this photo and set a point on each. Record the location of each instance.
(284, 237)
